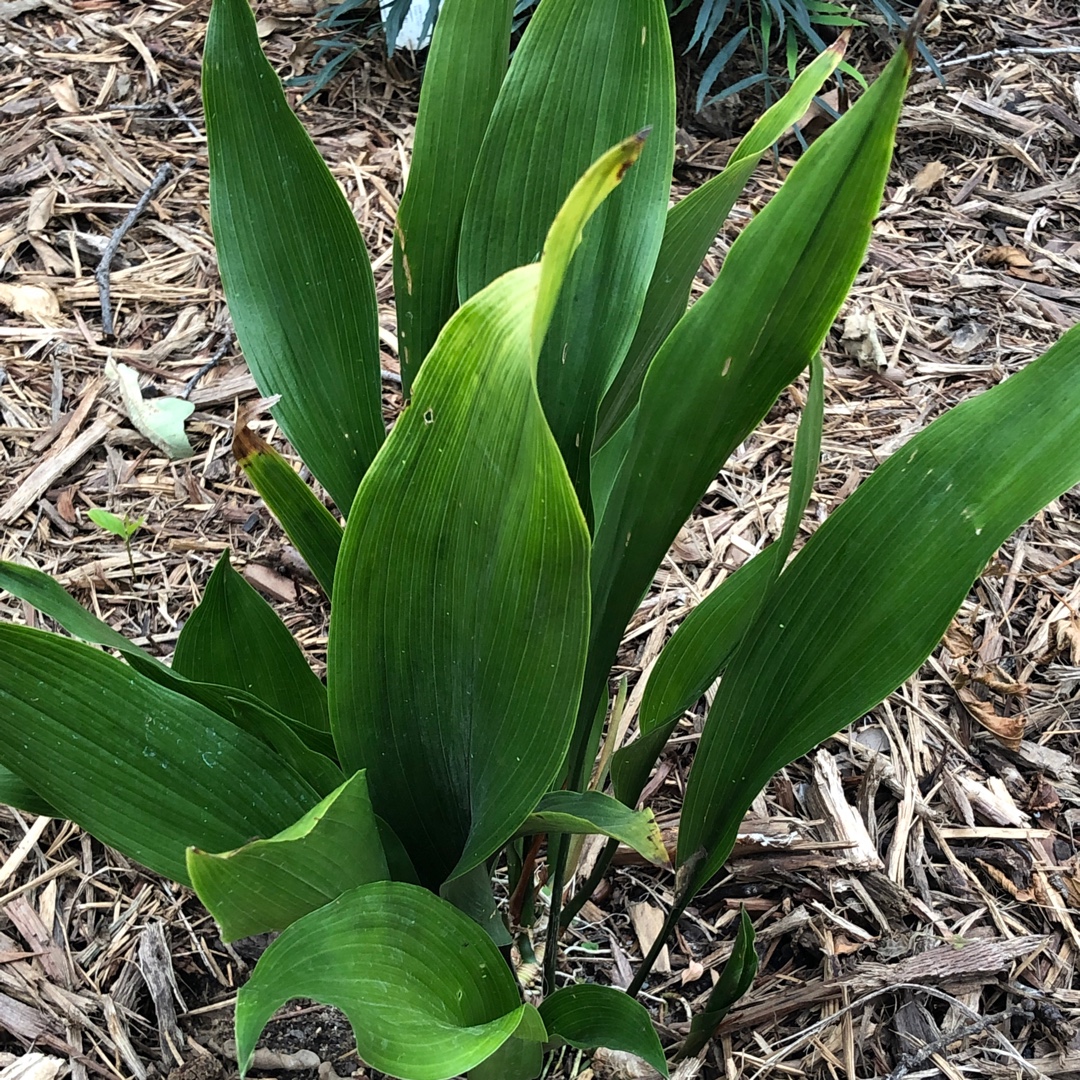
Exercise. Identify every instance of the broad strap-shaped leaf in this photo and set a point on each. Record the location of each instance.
(308, 750)
(17, 793)
(308, 524)
(729, 357)
(269, 884)
(588, 1015)
(693, 659)
(427, 993)
(616, 77)
(521, 1057)
(293, 264)
(736, 978)
(692, 225)
(142, 768)
(235, 638)
(49, 597)
(464, 70)
(591, 813)
(472, 893)
(869, 596)
(461, 600)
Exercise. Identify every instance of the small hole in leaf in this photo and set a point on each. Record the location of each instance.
(429, 417)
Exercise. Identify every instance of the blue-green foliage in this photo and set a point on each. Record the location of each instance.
(721, 27)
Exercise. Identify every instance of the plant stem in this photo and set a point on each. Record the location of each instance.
(588, 886)
(646, 967)
(558, 880)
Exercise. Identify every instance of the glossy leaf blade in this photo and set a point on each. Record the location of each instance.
(235, 638)
(729, 357)
(587, 1016)
(427, 993)
(142, 768)
(735, 980)
(455, 670)
(269, 884)
(691, 228)
(293, 264)
(308, 524)
(591, 813)
(307, 750)
(464, 71)
(869, 596)
(617, 60)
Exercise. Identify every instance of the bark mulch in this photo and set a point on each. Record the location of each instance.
(915, 882)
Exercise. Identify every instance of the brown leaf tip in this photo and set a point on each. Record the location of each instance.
(915, 27)
(839, 46)
(246, 444)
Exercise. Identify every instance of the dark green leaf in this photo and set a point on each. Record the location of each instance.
(516, 1059)
(587, 1016)
(729, 357)
(736, 978)
(462, 76)
(14, 792)
(695, 656)
(590, 813)
(868, 597)
(692, 225)
(142, 768)
(293, 264)
(472, 893)
(234, 638)
(308, 750)
(309, 525)
(269, 884)
(537, 144)
(425, 989)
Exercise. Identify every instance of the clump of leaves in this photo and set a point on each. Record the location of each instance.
(566, 412)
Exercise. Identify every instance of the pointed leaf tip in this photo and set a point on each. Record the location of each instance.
(915, 27)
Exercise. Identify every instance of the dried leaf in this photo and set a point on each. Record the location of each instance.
(160, 419)
(861, 342)
(648, 921)
(33, 301)
(1009, 730)
(929, 176)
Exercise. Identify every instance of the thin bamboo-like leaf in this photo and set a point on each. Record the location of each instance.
(692, 225)
(464, 70)
(235, 638)
(617, 61)
(293, 264)
(425, 989)
(735, 979)
(142, 768)
(729, 357)
(269, 884)
(308, 524)
(868, 597)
